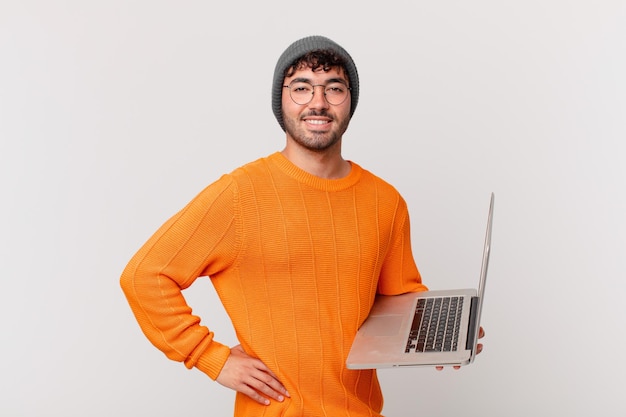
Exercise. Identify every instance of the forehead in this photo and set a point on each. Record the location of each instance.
(318, 75)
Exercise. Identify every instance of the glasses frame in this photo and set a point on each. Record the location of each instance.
(313, 91)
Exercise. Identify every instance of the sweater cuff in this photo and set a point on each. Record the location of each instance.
(213, 359)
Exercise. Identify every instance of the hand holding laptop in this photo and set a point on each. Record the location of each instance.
(428, 328)
(479, 348)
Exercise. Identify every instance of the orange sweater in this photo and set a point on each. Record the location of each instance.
(296, 261)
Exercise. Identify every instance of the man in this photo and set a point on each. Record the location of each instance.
(297, 245)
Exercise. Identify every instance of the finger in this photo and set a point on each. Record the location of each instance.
(246, 375)
(255, 386)
(481, 332)
(251, 377)
(263, 380)
(440, 368)
(253, 394)
(270, 383)
(274, 382)
(267, 384)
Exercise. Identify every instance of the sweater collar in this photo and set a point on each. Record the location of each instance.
(285, 165)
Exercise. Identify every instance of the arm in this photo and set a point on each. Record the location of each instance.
(402, 265)
(200, 240)
(400, 273)
(197, 241)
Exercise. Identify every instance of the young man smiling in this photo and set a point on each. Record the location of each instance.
(296, 244)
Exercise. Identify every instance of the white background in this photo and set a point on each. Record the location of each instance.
(113, 114)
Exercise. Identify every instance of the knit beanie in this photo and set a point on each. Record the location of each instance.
(300, 48)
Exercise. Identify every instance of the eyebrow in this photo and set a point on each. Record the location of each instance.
(331, 80)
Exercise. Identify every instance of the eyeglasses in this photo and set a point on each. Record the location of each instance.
(301, 92)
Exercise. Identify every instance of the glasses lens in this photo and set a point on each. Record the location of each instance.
(302, 92)
(336, 93)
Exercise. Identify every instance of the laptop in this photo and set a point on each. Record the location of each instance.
(429, 328)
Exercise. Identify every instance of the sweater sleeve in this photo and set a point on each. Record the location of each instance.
(200, 240)
(400, 274)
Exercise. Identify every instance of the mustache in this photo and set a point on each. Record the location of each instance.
(322, 113)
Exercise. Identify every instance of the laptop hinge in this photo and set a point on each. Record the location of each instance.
(473, 322)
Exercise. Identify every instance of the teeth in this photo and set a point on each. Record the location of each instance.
(317, 122)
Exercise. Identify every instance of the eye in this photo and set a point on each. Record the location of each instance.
(301, 88)
(336, 88)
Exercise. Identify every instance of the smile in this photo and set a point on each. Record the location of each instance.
(316, 121)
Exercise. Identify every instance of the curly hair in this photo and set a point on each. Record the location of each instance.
(316, 59)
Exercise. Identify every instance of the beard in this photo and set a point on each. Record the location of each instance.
(315, 141)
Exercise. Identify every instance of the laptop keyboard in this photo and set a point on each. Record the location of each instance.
(436, 325)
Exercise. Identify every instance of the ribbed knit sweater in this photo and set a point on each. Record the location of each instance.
(296, 261)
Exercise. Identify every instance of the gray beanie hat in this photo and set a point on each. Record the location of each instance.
(300, 48)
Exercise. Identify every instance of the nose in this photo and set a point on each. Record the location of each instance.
(319, 97)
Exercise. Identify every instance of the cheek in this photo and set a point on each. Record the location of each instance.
(344, 111)
(286, 104)
(287, 101)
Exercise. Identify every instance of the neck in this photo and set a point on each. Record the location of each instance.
(328, 164)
